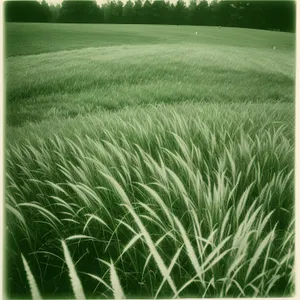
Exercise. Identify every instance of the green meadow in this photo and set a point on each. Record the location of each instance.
(148, 161)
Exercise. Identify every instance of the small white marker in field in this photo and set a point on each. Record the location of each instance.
(196, 32)
(274, 47)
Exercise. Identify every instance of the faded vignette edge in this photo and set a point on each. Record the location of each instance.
(297, 159)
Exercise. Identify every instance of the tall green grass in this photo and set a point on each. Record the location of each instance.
(166, 201)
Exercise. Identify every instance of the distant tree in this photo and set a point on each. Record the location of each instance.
(119, 12)
(113, 12)
(46, 11)
(24, 11)
(180, 13)
(172, 15)
(274, 15)
(159, 12)
(106, 8)
(138, 14)
(147, 12)
(168, 13)
(279, 15)
(128, 12)
(203, 13)
(226, 9)
(192, 12)
(237, 16)
(55, 11)
(79, 12)
(213, 13)
(288, 16)
(255, 16)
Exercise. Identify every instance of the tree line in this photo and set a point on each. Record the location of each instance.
(275, 15)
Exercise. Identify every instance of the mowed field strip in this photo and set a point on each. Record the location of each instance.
(160, 160)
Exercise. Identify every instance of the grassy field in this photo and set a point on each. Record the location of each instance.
(29, 39)
(148, 161)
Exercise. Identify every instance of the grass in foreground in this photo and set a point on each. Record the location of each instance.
(184, 204)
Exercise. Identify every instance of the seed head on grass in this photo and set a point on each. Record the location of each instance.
(33, 286)
(75, 281)
(115, 283)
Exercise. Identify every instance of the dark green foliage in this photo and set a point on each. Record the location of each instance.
(159, 12)
(113, 12)
(80, 12)
(54, 11)
(138, 11)
(274, 15)
(127, 13)
(26, 11)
